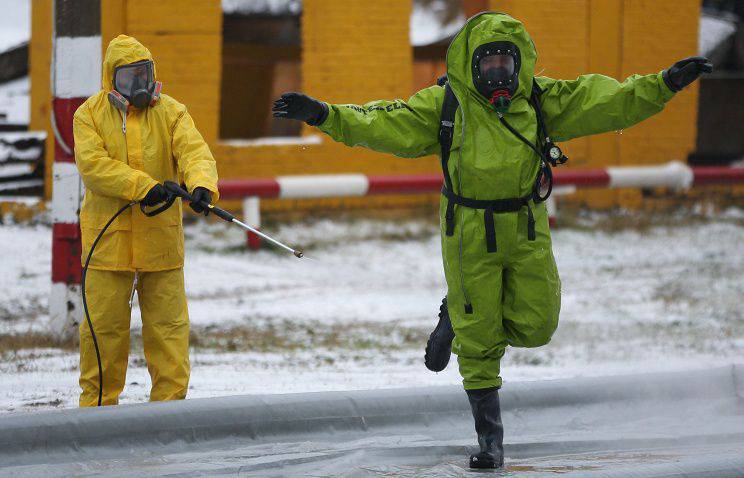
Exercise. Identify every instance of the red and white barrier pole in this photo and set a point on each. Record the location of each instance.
(673, 175)
(76, 75)
(252, 217)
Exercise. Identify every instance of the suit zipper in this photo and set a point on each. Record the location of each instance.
(123, 122)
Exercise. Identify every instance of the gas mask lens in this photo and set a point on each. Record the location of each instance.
(129, 79)
(496, 68)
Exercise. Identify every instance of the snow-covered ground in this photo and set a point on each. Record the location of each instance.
(357, 312)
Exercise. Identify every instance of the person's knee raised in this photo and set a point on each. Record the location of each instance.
(535, 333)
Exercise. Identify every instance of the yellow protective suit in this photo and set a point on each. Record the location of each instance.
(161, 143)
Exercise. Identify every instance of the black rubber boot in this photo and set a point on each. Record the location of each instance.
(439, 345)
(487, 415)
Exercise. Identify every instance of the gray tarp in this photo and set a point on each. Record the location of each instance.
(671, 425)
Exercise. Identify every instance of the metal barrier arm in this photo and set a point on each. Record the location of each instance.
(675, 175)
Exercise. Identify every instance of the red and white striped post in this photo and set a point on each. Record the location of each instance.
(76, 75)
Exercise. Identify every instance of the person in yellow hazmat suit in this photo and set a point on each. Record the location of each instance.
(129, 139)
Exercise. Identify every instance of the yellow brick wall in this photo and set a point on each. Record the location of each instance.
(605, 57)
(617, 38)
(185, 37)
(655, 34)
(113, 21)
(353, 51)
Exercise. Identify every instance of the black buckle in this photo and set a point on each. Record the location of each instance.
(446, 132)
(490, 226)
(449, 217)
(530, 224)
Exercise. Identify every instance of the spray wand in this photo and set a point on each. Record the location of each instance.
(175, 190)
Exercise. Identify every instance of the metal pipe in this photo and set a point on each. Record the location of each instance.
(297, 253)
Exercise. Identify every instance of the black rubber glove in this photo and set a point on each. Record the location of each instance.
(156, 195)
(686, 71)
(301, 107)
(200, 195)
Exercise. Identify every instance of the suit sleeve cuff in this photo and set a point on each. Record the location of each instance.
(211, 187)
(666, 90)
(327, 120)
(143, 187)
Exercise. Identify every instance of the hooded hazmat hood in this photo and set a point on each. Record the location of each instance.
(486, 28)
(123, 50)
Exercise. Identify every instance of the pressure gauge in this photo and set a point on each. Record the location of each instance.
(555, 153)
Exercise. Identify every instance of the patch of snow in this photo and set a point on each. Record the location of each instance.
(665, 298)
(265, 7)
(25, 281)
(27, 200)
(15, 23)
(15, 104)
(14, 169)
(13, 136)
(22, 184)
(426, 25)
(8, 152)
(733, 213)
(713, 30)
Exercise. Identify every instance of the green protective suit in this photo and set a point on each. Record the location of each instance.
(513, 295)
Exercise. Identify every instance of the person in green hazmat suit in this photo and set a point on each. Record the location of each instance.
(503, 284)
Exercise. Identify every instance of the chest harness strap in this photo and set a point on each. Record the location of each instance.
(550, 155)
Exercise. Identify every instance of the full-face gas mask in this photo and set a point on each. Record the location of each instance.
(135, 84)
(495, 69)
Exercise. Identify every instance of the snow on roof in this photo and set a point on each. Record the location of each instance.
(269, 7)
(426, 22)
(427, 26)
(15, 23)
(714, 30)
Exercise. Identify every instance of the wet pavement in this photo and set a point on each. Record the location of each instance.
(633, 426)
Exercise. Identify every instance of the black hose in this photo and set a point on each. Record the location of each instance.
(85, 302)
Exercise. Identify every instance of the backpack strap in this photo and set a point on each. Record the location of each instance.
(446, 135)
(552, 154)
(535, 100)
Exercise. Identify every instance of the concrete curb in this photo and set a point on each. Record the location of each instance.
(264, 417)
